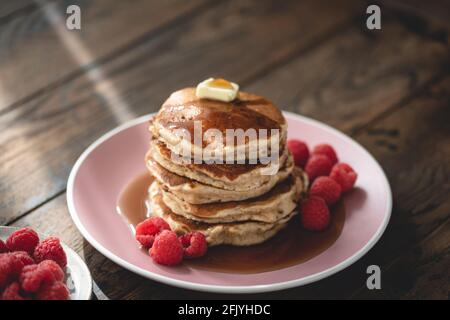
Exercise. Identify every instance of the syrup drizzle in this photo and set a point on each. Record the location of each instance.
(289, 247)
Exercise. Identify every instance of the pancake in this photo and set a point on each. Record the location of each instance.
(230, 203)
(248, 111)
(237, 177)
(269, 207)
(239, 234)
(198, 193)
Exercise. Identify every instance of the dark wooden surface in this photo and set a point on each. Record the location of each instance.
(389, 89)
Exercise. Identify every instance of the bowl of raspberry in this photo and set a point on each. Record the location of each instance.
(38, 267)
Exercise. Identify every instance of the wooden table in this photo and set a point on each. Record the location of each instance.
(389, 89)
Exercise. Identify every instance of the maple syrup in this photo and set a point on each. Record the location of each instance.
(291, 246)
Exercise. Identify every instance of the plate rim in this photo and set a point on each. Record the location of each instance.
(221, 288)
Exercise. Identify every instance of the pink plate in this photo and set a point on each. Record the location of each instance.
(105, 168)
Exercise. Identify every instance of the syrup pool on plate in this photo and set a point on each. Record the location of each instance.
(291, 246)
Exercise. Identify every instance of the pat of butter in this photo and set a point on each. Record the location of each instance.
(217, 89)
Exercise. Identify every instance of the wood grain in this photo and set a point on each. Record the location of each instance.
(10, 8)
(108, 27)
(437, 10)
(420, 273)
(391, 90)
(414, 145)
(357, 75)
(49, 132)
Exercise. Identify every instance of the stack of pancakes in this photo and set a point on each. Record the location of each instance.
(234, 204)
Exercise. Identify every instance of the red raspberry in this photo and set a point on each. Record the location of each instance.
(318, 165)
(145, 240)
(32, 278)
(54, 291)
(52, 267)
(343, 174)
(194, 244)
(315, 215)
(51, 249)
(25, 239)
(12, 292)
(6, 270)
(326, 150)
(23, 257)
(3, 247)
(327, 189)
(11, 265)
(147, 230)
(167, 249)
(299, 151)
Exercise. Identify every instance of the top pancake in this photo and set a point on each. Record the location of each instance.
(182, 109)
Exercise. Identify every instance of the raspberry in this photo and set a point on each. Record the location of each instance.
(51, 249)
(12, 292)
(147, 230)
(6, 273)
(326, 150)
(33, 277)
(299, 151)
(3, 247)
(25, 239)
(318, 165)
(167, 249)
(327, 189)
(24, 258)
(11, 265)
(343, 174)
(146, 240)
(52, 267)
(315, 215)
(53, 291)
(194, 244)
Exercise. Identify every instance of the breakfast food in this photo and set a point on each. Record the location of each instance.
(343, 174)
(24, 276)
(12, 292)
(326, 150)
(328, 183)
(326, 188)
(318, 165)
(184, 112)
(197, 198)
(198, 193)
(315, 214)
(147, 230)
(194, 244)
(167, 248)
(24, 239)
(242, 202)
(50, 249)
(56, 290)
(299, 151)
